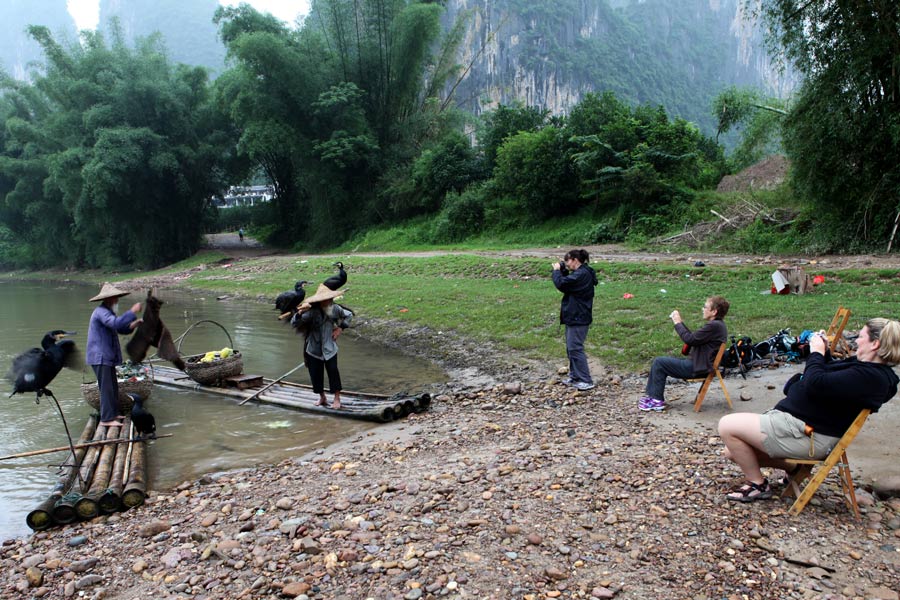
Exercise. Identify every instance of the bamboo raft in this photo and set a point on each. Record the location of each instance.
(379, 408)
(106, 477)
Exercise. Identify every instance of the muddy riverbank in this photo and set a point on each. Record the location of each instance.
(511, 486)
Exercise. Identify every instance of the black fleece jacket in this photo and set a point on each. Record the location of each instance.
(578, 295)
(829, 394)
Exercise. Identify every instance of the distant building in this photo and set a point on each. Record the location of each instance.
(250, 195)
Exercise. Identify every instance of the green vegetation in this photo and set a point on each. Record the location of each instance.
(843, 132)
(108, 158)
(111, 156)
(511, 302)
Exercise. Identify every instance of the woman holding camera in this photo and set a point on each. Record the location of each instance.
(576, 280)
(702, 345)
(818, 407)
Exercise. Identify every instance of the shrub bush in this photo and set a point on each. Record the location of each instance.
(462, 216)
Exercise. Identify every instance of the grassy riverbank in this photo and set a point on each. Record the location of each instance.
(508, 304)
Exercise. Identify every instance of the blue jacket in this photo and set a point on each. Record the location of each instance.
(578, 295)
(103, 340)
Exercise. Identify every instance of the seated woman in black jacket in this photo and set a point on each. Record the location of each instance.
(703, 343)
(827, 397)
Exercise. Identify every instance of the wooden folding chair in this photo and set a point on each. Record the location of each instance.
(714, 372)
(837, 458)
(835, 333)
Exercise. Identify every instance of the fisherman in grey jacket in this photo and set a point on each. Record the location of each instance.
(322, 321)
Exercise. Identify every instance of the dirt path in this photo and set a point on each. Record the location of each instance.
(230, 243)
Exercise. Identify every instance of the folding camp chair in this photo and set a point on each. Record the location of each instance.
(714, 372)
(835, 333)
(837, 458)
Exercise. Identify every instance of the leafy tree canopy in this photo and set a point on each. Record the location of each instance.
(114, 152)
(843, 131)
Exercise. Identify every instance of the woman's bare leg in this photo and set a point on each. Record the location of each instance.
(743, 444)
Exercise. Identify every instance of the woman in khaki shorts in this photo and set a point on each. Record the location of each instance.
(817, 409)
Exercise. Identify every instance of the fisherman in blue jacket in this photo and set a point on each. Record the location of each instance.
(576, 280)
(104, 353)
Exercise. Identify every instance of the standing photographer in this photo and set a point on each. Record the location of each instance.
(576, 280)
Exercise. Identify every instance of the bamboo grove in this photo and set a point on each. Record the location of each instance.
(111, 153)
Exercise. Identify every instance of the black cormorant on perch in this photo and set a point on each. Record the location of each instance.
(336, 281)
(33, 370)
(287, 302)
(144, 423)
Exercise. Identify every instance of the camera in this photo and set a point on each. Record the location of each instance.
(562, 266)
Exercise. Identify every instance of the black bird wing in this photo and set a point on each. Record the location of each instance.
(289, 301)
(143, 421)
(71, 356)
(285, 302)
(336, 281)
(26, 372)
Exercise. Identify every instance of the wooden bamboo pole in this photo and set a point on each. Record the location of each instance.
(267, 386)
(136, 488)
(111, 499)
(79, 445)
(42, 517)
(64, 510)
(87, 506)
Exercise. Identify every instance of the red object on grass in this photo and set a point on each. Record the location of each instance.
(818, 279)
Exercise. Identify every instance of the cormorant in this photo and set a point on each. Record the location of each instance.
(144, 423)
(287, 302)
(153, 332)
(336, 281)
(33, 370)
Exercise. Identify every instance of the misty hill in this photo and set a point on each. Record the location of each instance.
(549, 53)
(546, 53)
(17, 49)
(188, 32)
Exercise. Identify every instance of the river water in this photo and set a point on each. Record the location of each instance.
(211, 433)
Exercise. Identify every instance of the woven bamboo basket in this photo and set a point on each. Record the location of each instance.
(91, 393)
(213, 372)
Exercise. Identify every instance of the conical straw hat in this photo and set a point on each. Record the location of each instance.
(108, 291)
(323, 293)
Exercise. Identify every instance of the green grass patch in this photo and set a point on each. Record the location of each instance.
(512, 303)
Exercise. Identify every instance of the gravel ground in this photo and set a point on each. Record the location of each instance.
(511, 486)
(519, 490)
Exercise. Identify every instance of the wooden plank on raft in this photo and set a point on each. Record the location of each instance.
(64, 509)
(242, 382)
(110, 499)
(136, 487)
(97, 476)
(365, 406)
(42, 516)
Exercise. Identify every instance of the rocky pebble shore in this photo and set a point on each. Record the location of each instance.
(525, 491)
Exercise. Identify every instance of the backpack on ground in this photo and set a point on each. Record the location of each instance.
(739, 354)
